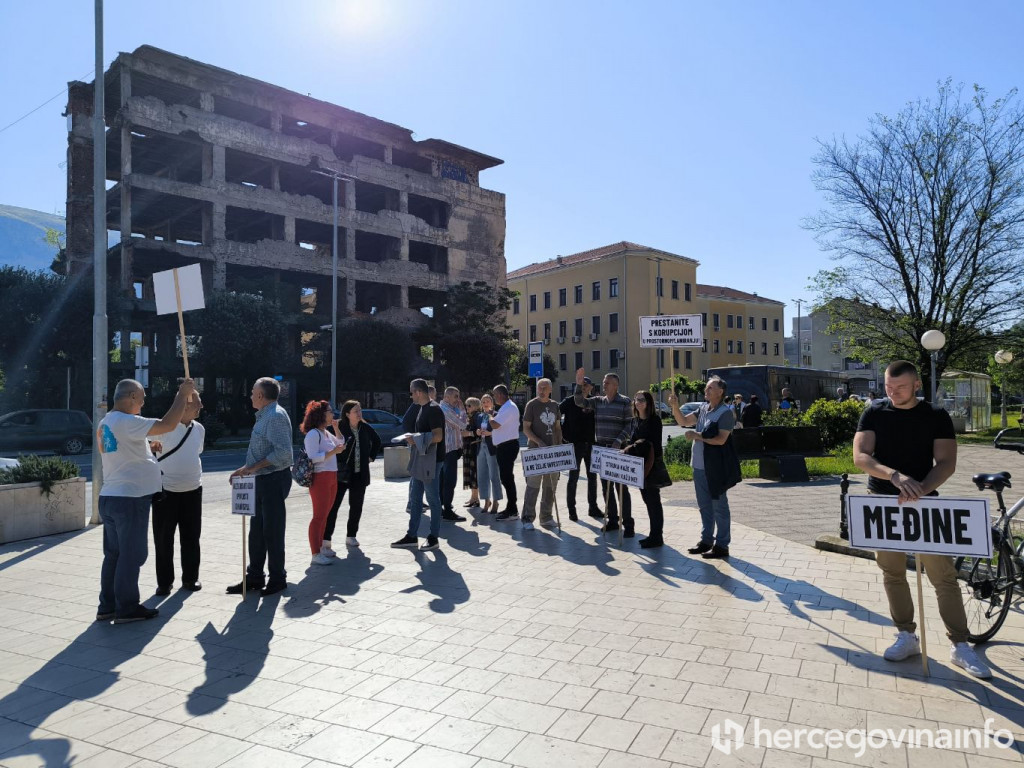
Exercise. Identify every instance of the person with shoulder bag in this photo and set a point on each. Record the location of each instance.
(645, 441)
(362, 444)
(322, 448)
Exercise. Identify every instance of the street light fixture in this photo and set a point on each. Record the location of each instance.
(933, 341)
(1003, 357)
(335, 177)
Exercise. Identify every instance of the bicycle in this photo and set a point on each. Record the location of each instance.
(988, 583)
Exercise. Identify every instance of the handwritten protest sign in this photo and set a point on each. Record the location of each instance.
(555, 458)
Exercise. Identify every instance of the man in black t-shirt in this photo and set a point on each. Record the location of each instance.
(908, 449)
(429, 434)
(578, 429)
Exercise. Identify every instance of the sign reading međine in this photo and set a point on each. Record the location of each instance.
(543, 461)
(619, 468)
(933, 525)
(243, 496)
(671, 331)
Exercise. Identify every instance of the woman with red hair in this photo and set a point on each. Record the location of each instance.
(322, 447)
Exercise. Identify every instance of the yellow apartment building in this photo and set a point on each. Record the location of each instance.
(586, 309)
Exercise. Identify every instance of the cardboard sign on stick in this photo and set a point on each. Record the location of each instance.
(596, 453)
(934, 525)
(554, 458)
(190, 286)
(243, 496)
(671, 330)
(620, 468)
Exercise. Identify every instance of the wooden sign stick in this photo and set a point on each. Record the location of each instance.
(181, 331)
(604, 492)
(243, 556)
(920, 613)
(554, 498)
(622, 517)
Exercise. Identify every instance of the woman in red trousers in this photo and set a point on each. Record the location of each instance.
(322, 447)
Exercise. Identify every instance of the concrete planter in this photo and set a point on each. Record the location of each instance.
(25, 512)
(396, 462)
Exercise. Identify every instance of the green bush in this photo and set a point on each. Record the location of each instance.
(678, 450)
(780, 418)
(836, 421)
(46, 470)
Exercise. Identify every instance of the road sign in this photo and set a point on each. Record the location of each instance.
(536, 370)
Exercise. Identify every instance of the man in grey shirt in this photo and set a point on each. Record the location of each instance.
(269, 458)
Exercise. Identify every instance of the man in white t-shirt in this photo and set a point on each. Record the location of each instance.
(180, 506)
(131, 477)
(505, 436)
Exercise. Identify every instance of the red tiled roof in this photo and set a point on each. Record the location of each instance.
(721, 292)
(579, 258)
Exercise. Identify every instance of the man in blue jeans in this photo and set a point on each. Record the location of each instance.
(454, 424)
(269, 458)
(427, 445)
(131, 477)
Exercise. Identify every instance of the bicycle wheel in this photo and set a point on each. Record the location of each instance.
(986, 584)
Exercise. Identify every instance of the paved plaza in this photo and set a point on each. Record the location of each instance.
(503, 648)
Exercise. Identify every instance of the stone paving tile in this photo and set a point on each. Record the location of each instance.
(505, 648)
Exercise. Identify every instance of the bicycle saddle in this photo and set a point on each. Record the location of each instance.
(994, 482)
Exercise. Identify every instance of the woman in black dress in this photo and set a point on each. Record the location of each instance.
(645, 441)
(470, 445)
(353, 469)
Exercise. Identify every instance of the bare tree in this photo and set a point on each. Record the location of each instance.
(926, 222)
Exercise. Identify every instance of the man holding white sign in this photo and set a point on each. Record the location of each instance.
(542, 427)
(908, 447)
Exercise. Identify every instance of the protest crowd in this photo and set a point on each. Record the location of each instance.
(906, 447)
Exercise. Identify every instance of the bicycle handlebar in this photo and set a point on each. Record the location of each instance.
(1001, 443)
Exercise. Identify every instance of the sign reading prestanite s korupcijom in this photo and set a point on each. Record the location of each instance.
(932, 525)
(671, 330)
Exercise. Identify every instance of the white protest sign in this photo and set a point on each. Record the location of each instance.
(671, 331)
(596, 452)
(932, 525)
(243, 496)
(619, 468)
(548, 459)
(190, 286)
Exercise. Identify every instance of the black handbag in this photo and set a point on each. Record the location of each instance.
(347, 460)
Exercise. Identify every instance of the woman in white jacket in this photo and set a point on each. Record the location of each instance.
(322, 447)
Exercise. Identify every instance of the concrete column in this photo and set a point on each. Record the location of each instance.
(126, 203)
(403, 201)
(275, 177)
(350, 195)
(220, 273)
(207, 163)
(206, 101)
(78, 219)
(350, 244)
(207, 219)
(275, 122)
(219, 164)
(220, 216)
(403, 296)
(403, 249)
(289, 229)
(387, 155)
(350, 295)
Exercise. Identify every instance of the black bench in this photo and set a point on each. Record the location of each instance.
(780, 451)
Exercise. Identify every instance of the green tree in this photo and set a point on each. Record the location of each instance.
(925, 220)
(373, 355)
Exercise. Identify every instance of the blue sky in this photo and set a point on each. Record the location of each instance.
(685, 126)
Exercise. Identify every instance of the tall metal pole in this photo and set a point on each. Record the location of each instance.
(659, 352)
(934, 355)
(334, 302)
(100, 342)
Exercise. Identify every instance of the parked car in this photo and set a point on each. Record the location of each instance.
(45, 430)
(385, 424)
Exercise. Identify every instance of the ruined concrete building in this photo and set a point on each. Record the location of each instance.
(215, 167)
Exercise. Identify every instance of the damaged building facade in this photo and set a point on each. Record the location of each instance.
(208, 166)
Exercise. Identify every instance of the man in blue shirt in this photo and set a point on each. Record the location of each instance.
(269, 458)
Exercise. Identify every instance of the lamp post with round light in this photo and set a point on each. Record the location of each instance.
(933, 341)
(1003, 357)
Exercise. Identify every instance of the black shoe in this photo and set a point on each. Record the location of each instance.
(613, 526)
(628, 532)
(163, 590)
(450, 516)
(716, 553)
(508, 514)
(273, 589)
(192, 586)
(107, 616)
(573, 516)
(431, 543)
(141, 613)
(595, 512)
(652, 541)
(406, 542)
(250, 586)
(701, 547)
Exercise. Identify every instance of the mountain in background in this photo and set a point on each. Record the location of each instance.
(23, 237)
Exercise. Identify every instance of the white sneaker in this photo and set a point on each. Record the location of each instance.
(352, 542)
(964, 656)
(906, 645)
(326, 551)
(528, 526)
(321, 560)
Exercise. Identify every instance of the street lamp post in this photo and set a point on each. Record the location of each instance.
(335, 177)
(1003, 357)
(933, 341)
